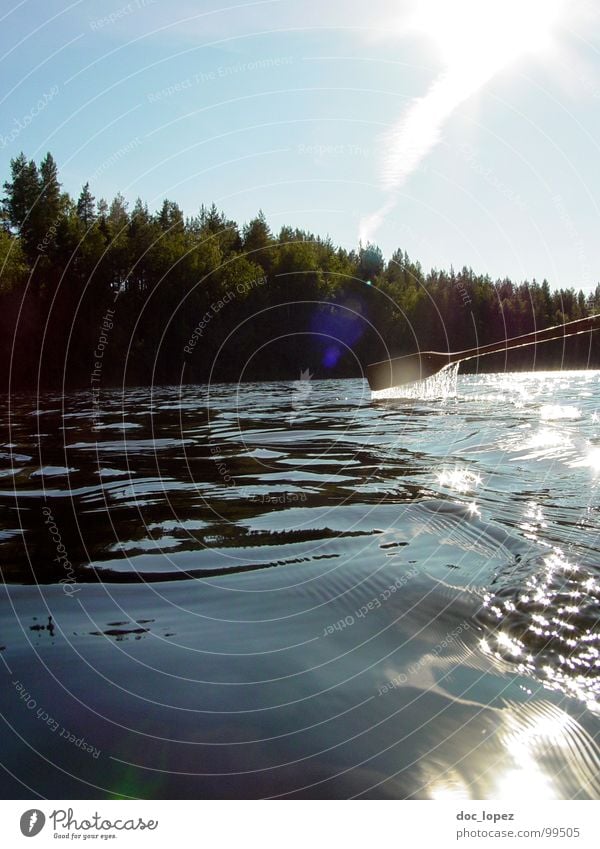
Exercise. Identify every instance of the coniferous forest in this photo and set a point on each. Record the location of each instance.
(100, 293)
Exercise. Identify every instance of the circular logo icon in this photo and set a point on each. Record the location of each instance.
(32, 822)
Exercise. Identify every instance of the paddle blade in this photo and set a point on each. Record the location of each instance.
(408, 369)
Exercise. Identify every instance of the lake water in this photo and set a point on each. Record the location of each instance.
(287, 589)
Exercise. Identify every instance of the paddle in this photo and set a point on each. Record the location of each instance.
(412, 367)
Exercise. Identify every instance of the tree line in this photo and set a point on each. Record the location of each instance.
(201, 298)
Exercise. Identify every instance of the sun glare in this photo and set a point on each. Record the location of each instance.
(476, 39)
(492, 32)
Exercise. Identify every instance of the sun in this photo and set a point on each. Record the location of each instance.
(487, 33)
(476, 40)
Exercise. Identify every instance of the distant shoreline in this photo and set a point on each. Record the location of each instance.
(97, 294)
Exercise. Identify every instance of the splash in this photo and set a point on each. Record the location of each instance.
(302, 390)
(437, 387)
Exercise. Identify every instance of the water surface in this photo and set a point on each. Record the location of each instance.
(286, 589)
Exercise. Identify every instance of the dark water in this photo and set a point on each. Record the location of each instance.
(287, 589)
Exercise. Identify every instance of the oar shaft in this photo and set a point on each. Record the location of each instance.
(559, 331)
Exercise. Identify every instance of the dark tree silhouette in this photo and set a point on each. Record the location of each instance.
(180, 288)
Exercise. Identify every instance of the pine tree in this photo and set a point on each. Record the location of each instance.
(86, 210)
(256, 234)
(170, 216)
(48, 207)
(256, 240)
(211, 219)
(19, 204)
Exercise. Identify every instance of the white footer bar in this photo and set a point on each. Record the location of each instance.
(299, 824)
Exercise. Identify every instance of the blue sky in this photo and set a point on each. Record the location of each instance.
(299, 108)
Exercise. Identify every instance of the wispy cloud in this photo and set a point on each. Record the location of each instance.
(419, 130)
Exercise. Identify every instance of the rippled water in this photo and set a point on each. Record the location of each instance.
(292, 589)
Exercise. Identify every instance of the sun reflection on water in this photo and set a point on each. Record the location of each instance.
(536, 750)
(524, 782)
(590, 460)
